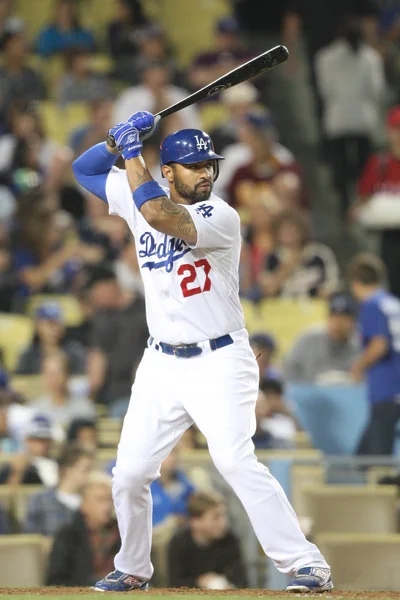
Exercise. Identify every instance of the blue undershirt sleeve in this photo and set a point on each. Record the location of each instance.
(92, 168)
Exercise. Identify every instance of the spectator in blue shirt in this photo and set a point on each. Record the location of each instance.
(171, 491)
(379, 325)
(64, 33)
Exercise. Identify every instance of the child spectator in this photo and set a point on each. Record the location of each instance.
(84, 433)
(50, 510)
(379, 363)
(206, 554)
(84, 549)
(64, 33)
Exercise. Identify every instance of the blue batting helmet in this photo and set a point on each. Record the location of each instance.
(188, 146)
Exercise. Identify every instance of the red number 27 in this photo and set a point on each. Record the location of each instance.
(191, 277)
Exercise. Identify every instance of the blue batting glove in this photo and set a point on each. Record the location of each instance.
(127, 139)
(143, 121)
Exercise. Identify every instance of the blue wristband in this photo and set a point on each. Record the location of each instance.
(147, 191)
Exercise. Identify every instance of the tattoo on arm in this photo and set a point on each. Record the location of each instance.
(181, 217)
(174, 219)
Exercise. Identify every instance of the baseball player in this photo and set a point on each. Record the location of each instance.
(198, 366)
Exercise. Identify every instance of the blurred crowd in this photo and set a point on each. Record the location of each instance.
(61, 251)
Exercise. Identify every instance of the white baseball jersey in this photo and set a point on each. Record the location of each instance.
(192, 293)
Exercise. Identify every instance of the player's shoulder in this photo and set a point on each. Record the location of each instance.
(223, 207)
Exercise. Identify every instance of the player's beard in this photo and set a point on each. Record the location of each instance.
(192, 195)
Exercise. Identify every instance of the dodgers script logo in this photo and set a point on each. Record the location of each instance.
(165, 252)
(200, 143)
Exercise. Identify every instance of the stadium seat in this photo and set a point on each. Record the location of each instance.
(34, 19)
(286, 318)
(15, 335)
(20, 500)
(362, 561)
(29, 386)
(212, 114)
(351, 509)
(68, 304)
(55, 125)
(301, 477)
(197, 34)
(22, 559)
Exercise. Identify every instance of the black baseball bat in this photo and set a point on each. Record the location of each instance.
(264, 62)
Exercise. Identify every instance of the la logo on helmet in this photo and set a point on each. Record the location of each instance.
(201, 143)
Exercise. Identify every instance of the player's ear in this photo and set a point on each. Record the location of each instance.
(168, 173)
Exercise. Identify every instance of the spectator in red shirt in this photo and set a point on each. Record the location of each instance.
(271, 176)
(381, 175)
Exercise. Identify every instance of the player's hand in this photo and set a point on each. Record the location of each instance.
(126, 137)
(145, 123)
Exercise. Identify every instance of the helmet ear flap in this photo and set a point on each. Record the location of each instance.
(216, 169)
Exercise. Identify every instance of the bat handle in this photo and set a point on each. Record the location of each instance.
(157, 118)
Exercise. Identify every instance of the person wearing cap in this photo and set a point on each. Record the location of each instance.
(49, 337)
(380, 179)
(325, 353)
(227, 54)
(351, 82)
(33, 465)
(264, 347)
(18, 81)
(379, 362)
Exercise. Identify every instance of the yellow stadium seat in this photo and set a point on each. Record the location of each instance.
(69, 305)
(351, 508)
(197, 34)
(96, 15)
(54, 122)
(21, 496)
(35, 16)
(15, 335)
(77, 114)
(286, 318)
(303, 476)
(22, 559)
(29, 386)
(362, 561)
(212, 114)
(101, 63)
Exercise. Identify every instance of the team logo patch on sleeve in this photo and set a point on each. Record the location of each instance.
(205, 210)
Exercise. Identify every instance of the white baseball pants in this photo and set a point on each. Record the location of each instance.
(217, 391)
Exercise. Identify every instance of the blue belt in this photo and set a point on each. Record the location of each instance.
(190, 350)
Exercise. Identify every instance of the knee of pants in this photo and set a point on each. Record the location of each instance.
(135, 477)
(229, 463)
